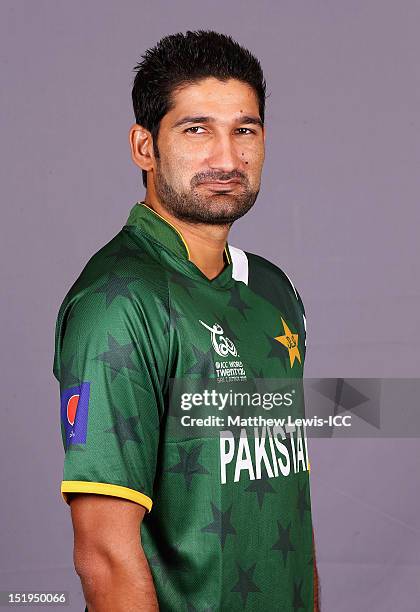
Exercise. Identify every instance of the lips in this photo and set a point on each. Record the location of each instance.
(231, 182)
(219, 185)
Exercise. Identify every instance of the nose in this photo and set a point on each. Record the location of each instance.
(223, 155)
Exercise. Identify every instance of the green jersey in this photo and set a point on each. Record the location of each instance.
(228, 523)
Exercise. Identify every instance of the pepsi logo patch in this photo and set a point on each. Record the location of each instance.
(74, 413)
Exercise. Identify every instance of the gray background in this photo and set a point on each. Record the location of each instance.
(338, 211)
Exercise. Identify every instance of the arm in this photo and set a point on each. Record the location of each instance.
(316, 585)
(108, 555)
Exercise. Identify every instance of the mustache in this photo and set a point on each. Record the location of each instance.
(204, 177)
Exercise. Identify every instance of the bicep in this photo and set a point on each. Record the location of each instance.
(110, 368)
(106, 529)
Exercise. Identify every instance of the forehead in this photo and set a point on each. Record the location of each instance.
(210, 95)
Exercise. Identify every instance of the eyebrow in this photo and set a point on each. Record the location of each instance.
(249, 119)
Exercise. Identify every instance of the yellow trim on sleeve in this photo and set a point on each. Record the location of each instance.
(103, 488)
(309, 467)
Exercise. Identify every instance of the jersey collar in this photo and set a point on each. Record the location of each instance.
(162, 230)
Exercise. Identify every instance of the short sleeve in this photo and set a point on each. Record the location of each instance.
(109, 361)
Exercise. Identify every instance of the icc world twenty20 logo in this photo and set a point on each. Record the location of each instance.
(221, 344)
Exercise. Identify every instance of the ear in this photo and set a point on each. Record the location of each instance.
(141, 144)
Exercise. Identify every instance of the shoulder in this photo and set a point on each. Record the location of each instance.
(262, 267)
(120, 289)
(263, 276)
(120, 258)
(271, 283)
(119, 269)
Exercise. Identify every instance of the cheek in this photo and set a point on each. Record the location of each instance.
(183, 155)
(192, 158)
(253, 160)
(177, 170)
(186, 163)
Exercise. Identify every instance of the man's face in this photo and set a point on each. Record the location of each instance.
(211, 152)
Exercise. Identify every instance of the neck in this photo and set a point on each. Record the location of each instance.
(205, 242)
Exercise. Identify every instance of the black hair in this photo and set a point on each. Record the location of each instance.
(182, 59)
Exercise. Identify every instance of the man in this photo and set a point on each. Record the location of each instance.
(167, 517)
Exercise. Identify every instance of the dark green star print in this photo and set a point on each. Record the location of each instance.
(117, 286)
(188, 465)
(257, 384)
(236, 301)
(261, 487)
(168, 560)
(284, 543)
(67, 378)
(245, 584)
(257, 373)
(221, 524)
(124, 427)
(277, 349)
(183, 281)
(297, 596)
(172, 320)
(118, 356)
(302, 503)
(123, 252)
(227, 330)
(204, 363)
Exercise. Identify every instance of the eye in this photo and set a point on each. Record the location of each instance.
(194, 127)
(247, 129)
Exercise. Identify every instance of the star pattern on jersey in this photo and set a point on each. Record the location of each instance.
(123, 252)
(172, 320)
(245, 584)
(257, 383)
(297, 596)
(188, 464)
(257, 373)
(290, 341)
(67, 378)
(124, 427)
(183, 281)
(227, 330)
(302, 503)
(276, 349)
(284, 543)
(117, 356)
(236, 301)
(188, 471)
(221, 524)
(203, 363)
(117, 286)
(168, 560)
(261, 487)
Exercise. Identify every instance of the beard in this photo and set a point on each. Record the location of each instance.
(195, 206)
